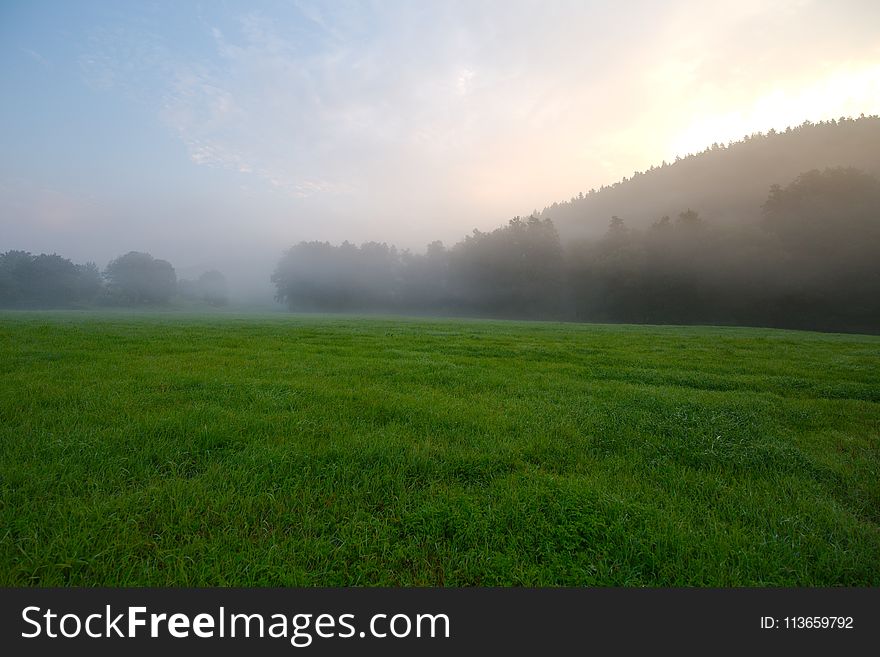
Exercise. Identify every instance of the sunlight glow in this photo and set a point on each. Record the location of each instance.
(845, 92)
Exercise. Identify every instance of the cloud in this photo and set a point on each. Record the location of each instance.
(459, 112)
(37, 57)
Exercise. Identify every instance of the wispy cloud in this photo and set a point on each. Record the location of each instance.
(37, 57)
(469, 108)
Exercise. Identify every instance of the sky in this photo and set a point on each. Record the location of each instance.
(212, 132)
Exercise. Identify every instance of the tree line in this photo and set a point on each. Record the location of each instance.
(133, 279)
(812, 261)
(726, 182)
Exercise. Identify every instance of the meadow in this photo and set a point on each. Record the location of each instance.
(170, 449)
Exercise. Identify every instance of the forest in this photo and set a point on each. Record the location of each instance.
(804, 254)
(810, 261)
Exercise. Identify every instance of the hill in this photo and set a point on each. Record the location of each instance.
(724, 183)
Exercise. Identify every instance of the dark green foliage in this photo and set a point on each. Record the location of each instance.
(138, 278)
(148, 450)
(835, 209)
(516, 270)
(813, 262)
(826, 226)
(46, 281)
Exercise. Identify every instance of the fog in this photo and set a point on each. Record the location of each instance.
(219, 137)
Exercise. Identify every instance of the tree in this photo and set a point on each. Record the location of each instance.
(662, 225)
(46, 281)
(690, 220)
(514, 270)
(14, 267)
(425, 279)
(318, 276)
(138, 278)
(89, 282)
(827, 227)
(617, 230)
(836, 209)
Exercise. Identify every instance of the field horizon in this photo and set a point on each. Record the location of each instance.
(231, 449)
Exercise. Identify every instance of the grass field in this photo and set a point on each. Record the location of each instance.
(284, 450)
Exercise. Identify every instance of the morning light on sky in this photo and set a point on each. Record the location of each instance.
(191, 129)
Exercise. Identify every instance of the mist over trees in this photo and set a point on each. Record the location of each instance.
(779, 229)
(515, 270)
(138, 278)
(803, 254)
(725, 182)
(133, 279)
(827, 228)
(211, 288)
(46, 281)
(317, 276)
(812, 261)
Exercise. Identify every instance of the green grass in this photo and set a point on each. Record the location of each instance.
(317, 451)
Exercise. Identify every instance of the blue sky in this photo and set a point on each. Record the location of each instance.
(195, 130)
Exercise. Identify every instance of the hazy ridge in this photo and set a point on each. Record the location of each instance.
(724, 183)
